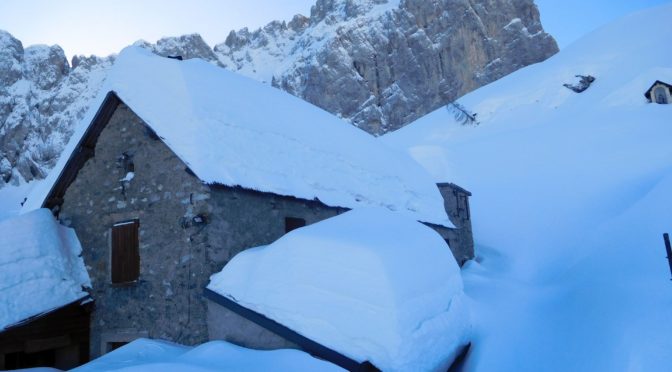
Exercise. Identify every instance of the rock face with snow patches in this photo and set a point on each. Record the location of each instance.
(378, 64)
(41, 98)
(381, 64)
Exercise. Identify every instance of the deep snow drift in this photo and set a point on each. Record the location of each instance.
(234, 131)
(572, 193)
(40, 267)
(151, 355)
(370, 284)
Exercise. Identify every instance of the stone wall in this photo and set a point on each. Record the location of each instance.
(456, 203)
(245, 333)
(187, 232)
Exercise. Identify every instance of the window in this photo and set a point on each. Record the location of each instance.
(125, 252)
(661, 96)
(114, 339)
(293, 223)
(112, 346)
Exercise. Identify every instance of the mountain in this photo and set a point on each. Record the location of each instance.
(381, 64)
(571, 197)
(378, 64)
(42, 96)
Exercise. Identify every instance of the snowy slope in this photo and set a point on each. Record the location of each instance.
(40, 267)
(152, 355)
(234, 131)
(370, 284)
(11, 198)
(571, 197)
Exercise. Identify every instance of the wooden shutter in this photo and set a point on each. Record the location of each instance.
(125, 252)
(293, 223)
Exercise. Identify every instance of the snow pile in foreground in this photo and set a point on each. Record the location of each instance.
(370, 284)
(40, 267)
(152, 355)
(572, 193)
(235, 131)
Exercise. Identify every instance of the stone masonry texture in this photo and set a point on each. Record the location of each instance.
(187, 232)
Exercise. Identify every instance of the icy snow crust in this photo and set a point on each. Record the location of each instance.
(370, 284)
(572, 193)
(152, 355)
(234, 131)
(40, 267)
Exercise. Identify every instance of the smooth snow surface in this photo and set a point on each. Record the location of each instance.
(571, 196)
(373, 285)
(40, 267)
(153, 355)
(11, 197)
(235, 131)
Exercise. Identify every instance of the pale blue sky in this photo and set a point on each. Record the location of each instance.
(104, 27)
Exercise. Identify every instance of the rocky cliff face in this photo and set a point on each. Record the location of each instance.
(382, 64)
(41, 98)
(376, 63)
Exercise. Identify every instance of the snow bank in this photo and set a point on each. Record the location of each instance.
(370, 284)
(152, 355)
(40, 267)
(571, 198)
(234, 131)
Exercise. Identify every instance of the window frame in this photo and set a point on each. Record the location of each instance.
(293, 223)
(660, 95)
(130, 253)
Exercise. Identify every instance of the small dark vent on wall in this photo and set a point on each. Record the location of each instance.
(293, 223)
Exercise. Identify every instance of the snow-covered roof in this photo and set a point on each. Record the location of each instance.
(234, 131)
(152, 355)
(40, 266)
(372, 285)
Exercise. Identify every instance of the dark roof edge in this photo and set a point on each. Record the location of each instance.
(648, 91)
(110, 102)
(454, 186)
(308, 345)
(79, 302)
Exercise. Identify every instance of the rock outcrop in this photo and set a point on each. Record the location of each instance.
(382, 64)
(41, 100)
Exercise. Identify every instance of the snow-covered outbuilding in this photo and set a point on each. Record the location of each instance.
(660, 92)
(44, 316)
(366, 286)
(181, 165)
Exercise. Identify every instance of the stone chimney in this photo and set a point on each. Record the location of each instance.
(456, 203)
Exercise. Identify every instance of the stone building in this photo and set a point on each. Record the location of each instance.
(659, 92)
(184, 165)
